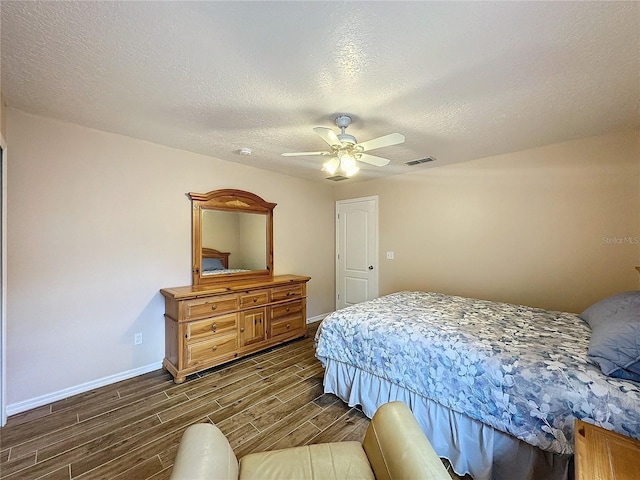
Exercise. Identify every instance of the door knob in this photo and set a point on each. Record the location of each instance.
(370, 267)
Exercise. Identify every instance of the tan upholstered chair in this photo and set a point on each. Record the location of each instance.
(393, 448)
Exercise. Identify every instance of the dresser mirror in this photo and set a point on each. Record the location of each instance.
(232, 236)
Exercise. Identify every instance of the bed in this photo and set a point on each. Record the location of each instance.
(215, 262)
(496, 387)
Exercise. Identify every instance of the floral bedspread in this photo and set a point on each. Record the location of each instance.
(519, 369)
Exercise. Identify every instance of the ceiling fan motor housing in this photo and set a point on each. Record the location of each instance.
(343, 121)
(346, 138)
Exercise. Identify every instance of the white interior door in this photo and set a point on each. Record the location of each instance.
(356, 251)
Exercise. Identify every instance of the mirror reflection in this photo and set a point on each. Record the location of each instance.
(233, 242)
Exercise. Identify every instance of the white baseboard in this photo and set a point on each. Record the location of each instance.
(85, 387)
(317, 318)
(101, 382)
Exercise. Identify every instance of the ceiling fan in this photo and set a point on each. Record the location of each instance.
(346, 151)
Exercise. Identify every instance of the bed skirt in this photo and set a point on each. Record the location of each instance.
(470, 446)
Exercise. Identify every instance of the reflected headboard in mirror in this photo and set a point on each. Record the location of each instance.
(232, 236)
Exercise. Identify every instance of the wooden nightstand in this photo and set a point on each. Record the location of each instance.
(603, 455)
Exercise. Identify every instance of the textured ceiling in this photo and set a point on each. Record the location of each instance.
(459, 80)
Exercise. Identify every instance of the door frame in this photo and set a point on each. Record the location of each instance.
(374, 247)
(3, 289)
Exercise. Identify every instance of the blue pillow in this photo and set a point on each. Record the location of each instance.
(210, 264)
(615, 335)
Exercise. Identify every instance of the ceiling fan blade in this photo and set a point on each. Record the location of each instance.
(373, 160)
(305, 154)
(384, 141)
(328, 136)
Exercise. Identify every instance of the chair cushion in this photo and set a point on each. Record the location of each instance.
(398, 449)
(327, 461)
(204, 449)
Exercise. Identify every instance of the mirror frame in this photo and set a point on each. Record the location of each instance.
(228, 200)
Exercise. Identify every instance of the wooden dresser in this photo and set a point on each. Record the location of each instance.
(206, 325)
(604, 455)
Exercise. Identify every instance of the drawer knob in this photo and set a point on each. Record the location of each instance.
(288, 326)
(287, 309)
(242, 329)
(255, 300)
(214, 327)
(214, 348)
(214, 306)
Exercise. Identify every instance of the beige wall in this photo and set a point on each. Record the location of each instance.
(3, 116)
(555, 227)
(98, 223)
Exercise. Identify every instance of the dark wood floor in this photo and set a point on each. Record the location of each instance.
(131, 429)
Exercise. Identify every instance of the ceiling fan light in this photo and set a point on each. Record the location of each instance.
(347, 162)
(351, 171)
(331, 166)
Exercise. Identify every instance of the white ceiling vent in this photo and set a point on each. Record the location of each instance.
(419, 161)
(337, 178)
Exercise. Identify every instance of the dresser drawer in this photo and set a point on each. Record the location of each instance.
(206, 307)
(287, 292)
(208, 350)
(286, 325)
(289, 309)
(220, 325)
(287, 317)
(254, 298)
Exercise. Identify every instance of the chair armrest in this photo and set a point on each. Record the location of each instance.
(398, 449)
(204, 453)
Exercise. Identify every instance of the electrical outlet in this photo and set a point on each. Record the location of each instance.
(389, 255)
(137, 339)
